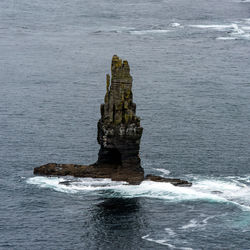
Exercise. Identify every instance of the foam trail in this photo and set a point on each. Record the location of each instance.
(235, 31)
(52, 182)
(244, 178)
(208, 218)
(114, 29)
(175, 25)
(161, 242)
(164, 171)
(241, 32)
(164, 242)
(75, 185)
(170, 232)
(247, 20)
(195, 223)
(145, 32)
(247, 28)
(192, 223)
(219, 27)
(231, 191)
(226, 38)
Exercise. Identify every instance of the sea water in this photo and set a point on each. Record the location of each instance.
(191, 69)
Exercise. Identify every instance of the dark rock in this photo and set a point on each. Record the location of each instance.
(176, 182)
(119, 135)
(216, 192)
(66, 183)
(114, 172)
(119, 130)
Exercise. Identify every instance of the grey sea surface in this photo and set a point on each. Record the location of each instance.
(190, 61)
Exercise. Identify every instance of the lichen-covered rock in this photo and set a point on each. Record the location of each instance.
(119, 130)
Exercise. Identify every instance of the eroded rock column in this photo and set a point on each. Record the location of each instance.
(119, 130)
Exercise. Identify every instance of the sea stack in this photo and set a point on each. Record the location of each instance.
(119, 130)
(119, 135)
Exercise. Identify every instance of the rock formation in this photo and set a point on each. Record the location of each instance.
(119, 135)
(119, 130)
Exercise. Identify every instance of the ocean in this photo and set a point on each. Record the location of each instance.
(190, 62)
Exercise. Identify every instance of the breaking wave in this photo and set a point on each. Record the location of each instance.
(231, 190)
(233, 31)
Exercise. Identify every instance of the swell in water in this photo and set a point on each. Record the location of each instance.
(231, 190)
(234, 31)
(172, 237)
(149, 31)
(144, 31)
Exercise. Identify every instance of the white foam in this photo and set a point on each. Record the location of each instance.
(175, 25)
(114, 29)
(170, 232)
(219, 27)
(145, 32)
(227, 190)
(247, 20)
(192, 223)
(245, 36)
(161, 242)
(197, 223)
(164, 171)
(226, 38)
(235, 31)
(245, 178)
(230, 189)
(208, 218)
(77, 185)
(164, 242)
(246, 28)
(50, 182)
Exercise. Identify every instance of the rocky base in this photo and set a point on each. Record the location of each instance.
(175, 182)
(114, 172)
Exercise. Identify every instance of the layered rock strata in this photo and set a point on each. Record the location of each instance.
(119, 130)
(119, 135)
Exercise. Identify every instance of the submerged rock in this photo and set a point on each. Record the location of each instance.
(119, 135)
(176, 182)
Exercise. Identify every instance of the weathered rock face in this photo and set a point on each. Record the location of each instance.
(119, 130)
